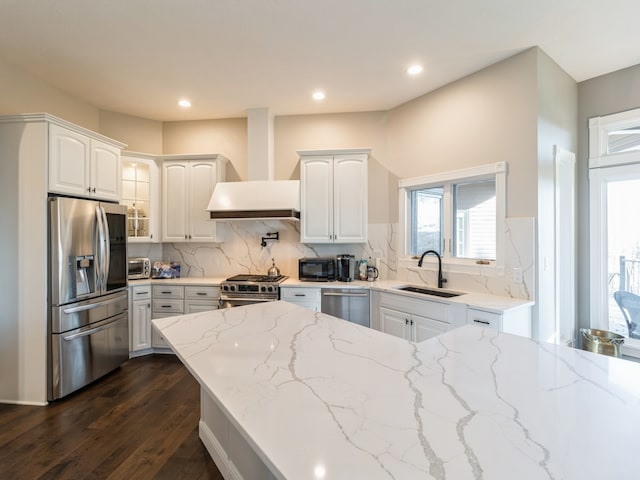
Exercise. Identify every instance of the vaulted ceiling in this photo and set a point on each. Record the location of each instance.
(140, 57)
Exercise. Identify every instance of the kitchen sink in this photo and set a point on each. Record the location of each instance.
(429, 291)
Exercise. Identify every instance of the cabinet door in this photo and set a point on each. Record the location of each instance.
(175, 211)
(202, 179)
(394, 323)
(140, 193)
(141, 325)
(316, 200)
(424, 328)
(68, 162)
(350, 198)
(193, 306)
(105, 171)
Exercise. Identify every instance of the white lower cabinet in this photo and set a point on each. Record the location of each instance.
(412, 319)
(200, 299)
(307, 297)
(410, 326)
(171, 300)
(140, 320)
(515, 321)
(168, 301)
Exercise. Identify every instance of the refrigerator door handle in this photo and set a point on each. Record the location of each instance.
(107, 246)
(101, 252)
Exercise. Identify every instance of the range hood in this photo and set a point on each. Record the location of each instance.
(260, 198)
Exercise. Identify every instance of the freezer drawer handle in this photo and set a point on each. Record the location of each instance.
(82, 308)
(332, 294)
(73, 336)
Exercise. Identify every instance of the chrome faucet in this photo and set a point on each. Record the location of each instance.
(441, 281)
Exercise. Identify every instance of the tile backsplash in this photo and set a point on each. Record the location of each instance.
(241, 252)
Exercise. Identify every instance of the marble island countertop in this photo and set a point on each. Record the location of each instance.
(318, 397)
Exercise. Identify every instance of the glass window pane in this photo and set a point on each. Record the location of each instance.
(475, 220)
(623, 256)
(426, 220)
(625, 140)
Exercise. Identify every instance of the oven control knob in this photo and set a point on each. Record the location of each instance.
(225, 288)
(270, 289)
(232, 287)
(263, 289)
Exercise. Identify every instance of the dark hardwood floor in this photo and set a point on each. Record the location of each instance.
(138, 422)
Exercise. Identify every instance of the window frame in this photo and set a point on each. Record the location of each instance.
(497, 171)
(605, 167)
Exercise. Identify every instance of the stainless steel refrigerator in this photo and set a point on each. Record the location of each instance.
(88, 300)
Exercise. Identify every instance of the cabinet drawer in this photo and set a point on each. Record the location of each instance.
(143, 292)
(202, 293)
(416, 306)
(484, 319)
(193, 306)
(168, 305)
(300, 294)
(168, 291)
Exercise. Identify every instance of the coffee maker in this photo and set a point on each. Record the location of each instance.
(345, 268)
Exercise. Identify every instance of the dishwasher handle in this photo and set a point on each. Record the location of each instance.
(336, 294)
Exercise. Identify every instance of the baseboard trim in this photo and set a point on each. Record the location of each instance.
(219, 456)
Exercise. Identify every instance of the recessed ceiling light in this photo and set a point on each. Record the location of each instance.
(414, 69)
(318, 95)
(184, 103)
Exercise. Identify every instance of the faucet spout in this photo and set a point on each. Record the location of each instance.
(441, 280)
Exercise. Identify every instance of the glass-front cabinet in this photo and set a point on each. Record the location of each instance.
(140, 193)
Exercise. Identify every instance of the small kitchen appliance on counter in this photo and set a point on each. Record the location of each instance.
(319, 269)
(138, 268)
(346, 265)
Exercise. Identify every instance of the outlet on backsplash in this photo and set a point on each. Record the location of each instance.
(516, 275)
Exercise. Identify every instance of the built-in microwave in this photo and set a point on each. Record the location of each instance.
(139, 267)
(320, 269)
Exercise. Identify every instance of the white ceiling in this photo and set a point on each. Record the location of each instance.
(140, 56)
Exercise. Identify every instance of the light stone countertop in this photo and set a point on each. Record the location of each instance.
(483, 301)
(311, 390)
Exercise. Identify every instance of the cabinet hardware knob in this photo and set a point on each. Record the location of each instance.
(89, 189)
(189, 237)
(406, 321)
(94, 189)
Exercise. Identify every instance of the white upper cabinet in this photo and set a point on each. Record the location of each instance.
(187, 185)
(333, 196)
(83, 166)
(141, 195)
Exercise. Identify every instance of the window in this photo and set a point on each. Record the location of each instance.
(426, 220)
(456, 213)
(475, 214)
(614, 189)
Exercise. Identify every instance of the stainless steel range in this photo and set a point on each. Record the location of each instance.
(247, 289)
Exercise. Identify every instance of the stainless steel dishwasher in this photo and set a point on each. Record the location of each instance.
(350, 304)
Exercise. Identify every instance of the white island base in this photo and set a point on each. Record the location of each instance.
(291, 394)
(233, 455)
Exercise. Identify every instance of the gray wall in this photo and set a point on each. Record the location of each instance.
(557, 125)
(487, 117)
(612, 93)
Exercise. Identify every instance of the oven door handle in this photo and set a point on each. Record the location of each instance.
(252, 300)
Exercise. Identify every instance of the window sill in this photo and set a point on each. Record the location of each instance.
(453, 266)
